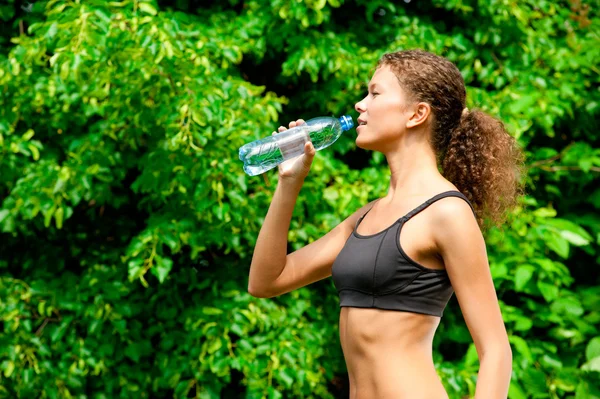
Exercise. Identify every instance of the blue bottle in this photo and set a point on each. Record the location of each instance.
(262, 155)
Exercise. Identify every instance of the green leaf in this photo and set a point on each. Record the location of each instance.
(147, 8)
(9, 367)
(522, 276)
(521, 347)
(162, 268)
(214, 345)
(551, 361)
(35, 153)
(570, 231)
(557, 243)
(48, 215)
(593, 348)
(522, 323)
(549, 291)
(287, 376)
(274, 394)
(28, 135)
(545, 213)
(569, 306)
(592, 365)
(3, 214)
(211, 311)
(574, 238)
(58, 217)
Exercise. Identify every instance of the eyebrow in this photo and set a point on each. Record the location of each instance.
(372, 86)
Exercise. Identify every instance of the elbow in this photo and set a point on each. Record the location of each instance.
(257, 293)
(500, 355)
(506, 353)
(506, 357)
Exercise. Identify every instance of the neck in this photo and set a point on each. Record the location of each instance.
(413, 167)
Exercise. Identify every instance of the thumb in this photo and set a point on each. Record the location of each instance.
(309, 153)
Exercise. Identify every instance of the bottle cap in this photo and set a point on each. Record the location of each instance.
(346, 122)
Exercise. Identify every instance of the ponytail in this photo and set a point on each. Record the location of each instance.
(485, 163)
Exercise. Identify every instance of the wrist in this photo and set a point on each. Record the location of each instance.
(291, 184)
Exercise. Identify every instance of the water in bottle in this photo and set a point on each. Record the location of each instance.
(262, 155)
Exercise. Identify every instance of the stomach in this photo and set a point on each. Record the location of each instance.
(388, 354)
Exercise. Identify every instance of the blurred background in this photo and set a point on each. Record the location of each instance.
(128, 225)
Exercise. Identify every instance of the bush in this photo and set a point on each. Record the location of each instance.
(128, 224)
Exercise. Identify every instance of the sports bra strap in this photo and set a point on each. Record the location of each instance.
(436, 198)
(424, 205)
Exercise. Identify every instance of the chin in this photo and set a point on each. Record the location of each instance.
(361, 143)
(358, 143)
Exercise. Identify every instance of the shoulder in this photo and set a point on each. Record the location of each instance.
(454, 221)
(452, 210)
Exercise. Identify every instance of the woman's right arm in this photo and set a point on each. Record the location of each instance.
(272, 271)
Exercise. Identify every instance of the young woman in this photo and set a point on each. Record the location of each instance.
(397, 260)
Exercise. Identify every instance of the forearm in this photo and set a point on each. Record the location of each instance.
(270, 252)
(494, 375)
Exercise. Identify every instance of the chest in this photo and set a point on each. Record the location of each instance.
(378, 262)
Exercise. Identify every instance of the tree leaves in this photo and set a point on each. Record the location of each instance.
(129, 223)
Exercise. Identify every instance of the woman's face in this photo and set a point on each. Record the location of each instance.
(383, 112)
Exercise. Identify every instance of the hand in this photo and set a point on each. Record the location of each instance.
(296, 169)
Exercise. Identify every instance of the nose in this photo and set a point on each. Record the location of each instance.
(361, 106)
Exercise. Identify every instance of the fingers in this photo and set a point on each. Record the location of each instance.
(309, 154)
(291, 125)
(296, 123)
(279, 130)
(309, 148)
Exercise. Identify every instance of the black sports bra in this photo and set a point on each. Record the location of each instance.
(374, 271)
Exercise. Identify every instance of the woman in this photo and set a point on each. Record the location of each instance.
(397, 260)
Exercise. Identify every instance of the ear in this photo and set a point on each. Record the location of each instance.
(419, 115)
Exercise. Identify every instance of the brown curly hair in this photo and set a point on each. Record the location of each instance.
(474, 149)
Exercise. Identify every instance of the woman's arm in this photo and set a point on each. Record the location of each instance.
(272, 272)
(462, 247)
(269, 258)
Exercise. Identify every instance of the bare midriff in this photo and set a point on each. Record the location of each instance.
(389, 354)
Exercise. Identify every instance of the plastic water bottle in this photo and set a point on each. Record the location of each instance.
(262, 155)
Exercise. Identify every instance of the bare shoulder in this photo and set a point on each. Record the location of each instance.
(450, 209)
(454, 220)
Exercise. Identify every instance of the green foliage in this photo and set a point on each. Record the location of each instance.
(127, 223)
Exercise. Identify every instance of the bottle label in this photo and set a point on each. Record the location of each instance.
(293, 145)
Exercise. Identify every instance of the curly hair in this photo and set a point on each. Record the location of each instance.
(475, 151)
